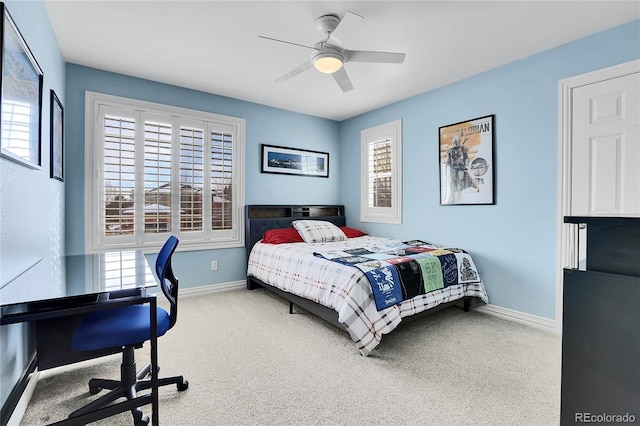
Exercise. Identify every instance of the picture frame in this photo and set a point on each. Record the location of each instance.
(57, 138)
(467, 166)
(21, 93)
(294, 161)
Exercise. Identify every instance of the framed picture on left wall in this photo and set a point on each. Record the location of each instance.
(57, 138)
(21, 80)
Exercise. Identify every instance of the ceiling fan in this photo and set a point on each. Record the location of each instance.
(329, 55)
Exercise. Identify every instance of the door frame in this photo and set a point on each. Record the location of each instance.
(566, 234)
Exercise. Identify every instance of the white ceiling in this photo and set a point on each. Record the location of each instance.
(213, 46)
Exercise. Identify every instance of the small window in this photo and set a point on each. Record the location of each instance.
(381, 168)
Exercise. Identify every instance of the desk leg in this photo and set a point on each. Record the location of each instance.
(154, 362)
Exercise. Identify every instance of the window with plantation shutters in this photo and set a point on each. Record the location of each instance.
(381, 166)
(154, 170)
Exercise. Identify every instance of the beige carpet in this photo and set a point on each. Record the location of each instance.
(249, 362)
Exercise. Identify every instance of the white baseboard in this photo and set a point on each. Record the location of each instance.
(497, 311)
(521, 317)
(23, 402)
(211, 288)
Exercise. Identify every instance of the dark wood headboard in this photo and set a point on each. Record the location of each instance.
(259, 218)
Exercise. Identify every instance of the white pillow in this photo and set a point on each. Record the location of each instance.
(318, 231)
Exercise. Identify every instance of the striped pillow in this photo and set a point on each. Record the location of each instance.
(318, 231)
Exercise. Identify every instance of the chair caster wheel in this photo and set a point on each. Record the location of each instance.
(143, 421)
(182, 386)
(93, 390)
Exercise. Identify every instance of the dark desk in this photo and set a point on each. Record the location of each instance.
(55, 293)
(600, 333)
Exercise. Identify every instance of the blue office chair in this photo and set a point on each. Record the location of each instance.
(129, 327)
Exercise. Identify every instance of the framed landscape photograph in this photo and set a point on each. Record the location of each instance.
(57, 138)
(21, 97)
(467, 169)
(292, 161)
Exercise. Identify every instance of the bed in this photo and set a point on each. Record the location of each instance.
(333, 277)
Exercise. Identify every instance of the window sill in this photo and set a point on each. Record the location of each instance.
(184, 245)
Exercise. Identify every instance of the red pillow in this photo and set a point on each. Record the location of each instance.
(281, 235)
(351, 232)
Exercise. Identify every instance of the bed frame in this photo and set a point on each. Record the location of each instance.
(260, 218)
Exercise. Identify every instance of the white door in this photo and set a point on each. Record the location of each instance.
(599, 155)
(605, 151)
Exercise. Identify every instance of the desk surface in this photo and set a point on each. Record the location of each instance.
(79, 275)
(65, 286)
(616, 219)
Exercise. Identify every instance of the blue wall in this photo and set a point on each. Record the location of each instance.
(263, 125)
(514, 241)
(31, 204)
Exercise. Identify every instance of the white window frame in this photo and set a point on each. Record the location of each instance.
(393, 133)
(94, 197)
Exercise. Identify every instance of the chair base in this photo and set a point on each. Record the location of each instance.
(130, 383)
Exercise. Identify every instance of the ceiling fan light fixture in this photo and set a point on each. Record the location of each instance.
(327, 62)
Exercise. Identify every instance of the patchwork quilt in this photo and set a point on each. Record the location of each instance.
(346, 289)
(399, 271)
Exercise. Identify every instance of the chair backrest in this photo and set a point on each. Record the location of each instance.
(168, 281)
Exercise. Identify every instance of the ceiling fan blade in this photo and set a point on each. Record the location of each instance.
(287, 42)
(297, 70)
(348, 24)
(342, 79)
(381, 57)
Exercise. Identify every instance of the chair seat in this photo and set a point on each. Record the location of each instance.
(128, 325)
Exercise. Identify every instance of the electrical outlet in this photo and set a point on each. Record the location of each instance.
(214, 265)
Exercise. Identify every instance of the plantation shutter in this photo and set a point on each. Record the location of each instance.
(191, 178)
(380, 174)
(157, 177)
(221, 180)
(119, 175)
